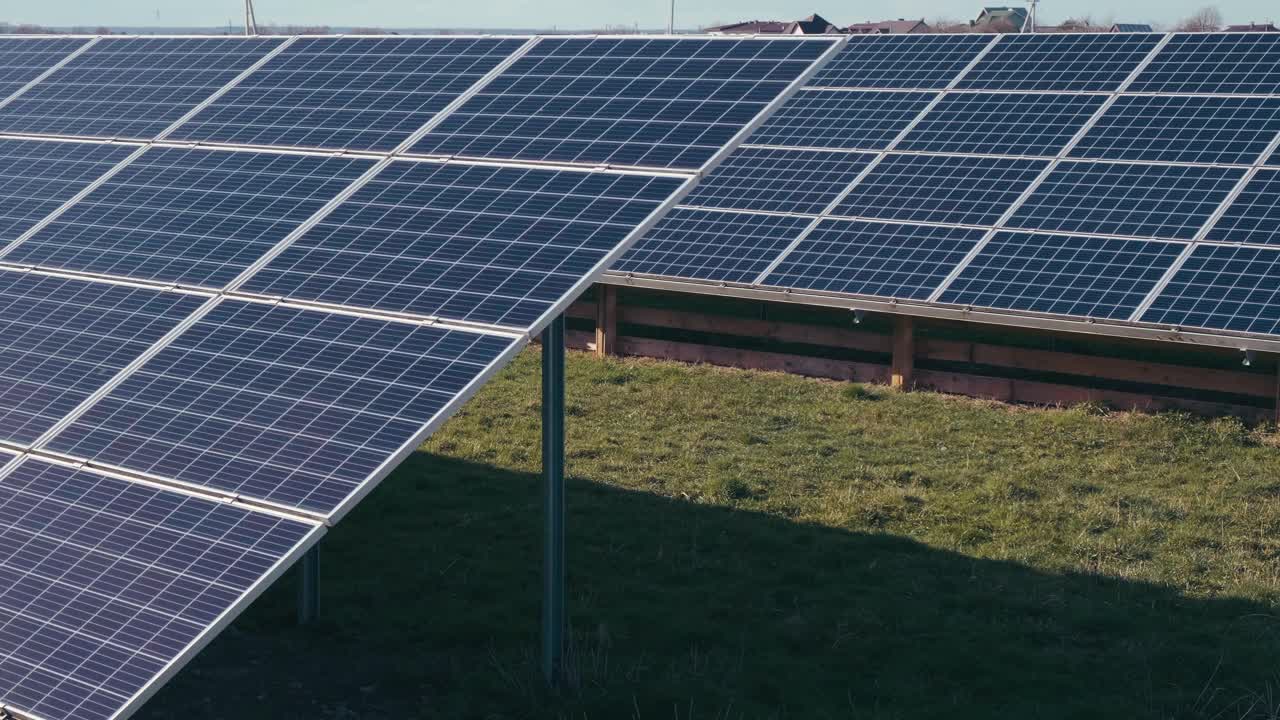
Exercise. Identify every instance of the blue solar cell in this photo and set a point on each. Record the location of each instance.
(354, 93)
(1126, 199)
(1223, 287)
(647, 102)
(131, 87)
(1072, 62)
(1241, 63)
(37, 177)
(1183, 129)
(1063, 275)
(104, 582)
(23, 59)
(189, 216)
(900, 61)
(1254, 215)
(708, 245)
(296, 407)
(486, 244)
(786, 181)
(1002, 123)
(870, 258)
(937, 188)
(62, 339)
(841, 119)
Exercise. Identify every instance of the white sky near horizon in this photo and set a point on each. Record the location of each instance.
(581, 14)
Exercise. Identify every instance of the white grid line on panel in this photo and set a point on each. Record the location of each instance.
(1048, 170)
(871, 166)
(48, 71)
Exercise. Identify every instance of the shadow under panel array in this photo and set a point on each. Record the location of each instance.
(211, 352)
(1104, 179)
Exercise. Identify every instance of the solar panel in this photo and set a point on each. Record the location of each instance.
(62, 339)
(488, 244)
(23, 59)
(709, 245)
(349, 93)
(37, 177)
(189, 216)
(1223, 288)
(1241, 63)
(1070, 62)
(841, 119)
(900, 61)
(1198, 129)
(1063, 275)
(1254, 215)
(290, 406)
(1171, 201)
(787, 181)
(939, 188)
(646, 102)
(104, 582)
(1002, 123)
(131, 87)
(870, 258)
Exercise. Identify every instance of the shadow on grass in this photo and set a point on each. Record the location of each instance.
(680, 610)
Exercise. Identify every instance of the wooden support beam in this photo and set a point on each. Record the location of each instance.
(606, 320)
(904, 353)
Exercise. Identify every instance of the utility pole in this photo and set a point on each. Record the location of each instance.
(250, 21)
(671, 19)
(1030, 24)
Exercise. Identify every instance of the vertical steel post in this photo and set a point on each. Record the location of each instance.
(309, 587)
(553, 563)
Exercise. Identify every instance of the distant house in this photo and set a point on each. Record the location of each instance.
(889, 27)
(1001, 19)
(813, 25)
(1131, 27)
(1253, 27)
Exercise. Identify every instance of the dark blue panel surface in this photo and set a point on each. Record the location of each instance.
(23, 59)
(1126, 199)
(649, 102)
(1073, 62)
(1254, 215)
(841, 119)
(1063, 275)
(37, 177)
(291, 406)
(870, 258)
(1223, 288)
(900, 61)
(352, 93)
(1002, 123)
(720, 246)
(1244, 63)
(785, 181)
(104, 582)
(935, 188)
(1183, 129)
(131, 87)
(189, 216)
(484, 244)
(61, 340)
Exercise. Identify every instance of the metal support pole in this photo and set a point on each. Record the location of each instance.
(553, 563)
(309, 587)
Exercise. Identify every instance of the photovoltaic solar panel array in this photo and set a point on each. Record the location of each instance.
(1107, 182)
(242, 278)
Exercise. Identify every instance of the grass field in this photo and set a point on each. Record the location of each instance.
(751, 545)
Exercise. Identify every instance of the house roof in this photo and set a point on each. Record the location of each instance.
(1131, 27)
(1253, 27)
(888, 27)
(751, 26)
(813, 25)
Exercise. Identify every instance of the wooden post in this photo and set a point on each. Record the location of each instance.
(904, 352)
(606, 320)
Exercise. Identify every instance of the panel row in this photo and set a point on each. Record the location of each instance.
(668, 103)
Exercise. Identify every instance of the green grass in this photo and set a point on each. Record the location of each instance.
(753, 545)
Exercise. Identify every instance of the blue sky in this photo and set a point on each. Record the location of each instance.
(579, 14)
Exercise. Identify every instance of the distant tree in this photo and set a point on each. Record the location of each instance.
(1206, 19)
